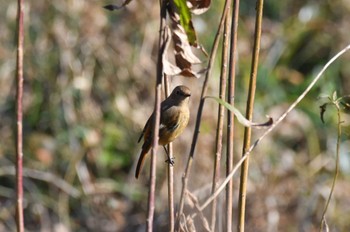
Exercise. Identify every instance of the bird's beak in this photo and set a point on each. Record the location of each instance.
(188, 95)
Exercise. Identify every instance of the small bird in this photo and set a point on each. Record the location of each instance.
(174, 116)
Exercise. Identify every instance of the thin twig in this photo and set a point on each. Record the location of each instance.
(229, 151)
(19, 118)
(170, 170)
(336, 172)
(230, 114)
(155, 129)
(199, 115)
(249, 116)
(274, 125)
(220, 122)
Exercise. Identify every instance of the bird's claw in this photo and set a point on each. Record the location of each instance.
(170, 161)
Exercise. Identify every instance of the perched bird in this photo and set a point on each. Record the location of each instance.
(174, 116)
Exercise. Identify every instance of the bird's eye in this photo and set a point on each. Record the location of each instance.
(178, 92)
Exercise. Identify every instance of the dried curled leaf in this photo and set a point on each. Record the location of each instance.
(245, 122)
(199, 6)
(168, 67)
(184, 38)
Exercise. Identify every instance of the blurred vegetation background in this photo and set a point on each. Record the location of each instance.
(88, 90)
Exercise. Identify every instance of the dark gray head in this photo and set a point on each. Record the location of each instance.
(181, 92)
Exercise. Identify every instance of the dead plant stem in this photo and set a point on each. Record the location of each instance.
(220, 122)
(229, 151)
(336, 172)
(230, 114)
(249, 115)
(19, 118)
(155, 129)
(170, 170)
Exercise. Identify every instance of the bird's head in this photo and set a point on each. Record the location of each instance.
(181, 93)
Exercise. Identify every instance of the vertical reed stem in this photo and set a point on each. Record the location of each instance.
(158, 93)
(230, 114)
(229, 152)
(220, 122)
(170, 171)
(249, 115)
(19, 118)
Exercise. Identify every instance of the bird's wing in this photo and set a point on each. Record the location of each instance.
(170, 119)
(145, 128)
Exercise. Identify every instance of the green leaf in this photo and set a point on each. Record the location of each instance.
(245, 122)
(186, 21)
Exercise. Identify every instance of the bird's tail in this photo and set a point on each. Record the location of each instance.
(140, 162)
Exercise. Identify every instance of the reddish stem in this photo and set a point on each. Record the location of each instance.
(19, 118)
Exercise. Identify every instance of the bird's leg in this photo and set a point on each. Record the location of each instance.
(169, 160)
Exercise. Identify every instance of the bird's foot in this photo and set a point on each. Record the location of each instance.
(170, 161)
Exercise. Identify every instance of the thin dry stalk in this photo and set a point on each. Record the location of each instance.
(155, 132)
(220, 122)
(170, 171)
(336, 172)
(229, 152)
(249, 116)
(199, 114)
(230, 114)
(19, 118)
